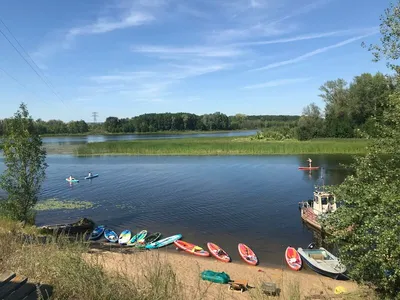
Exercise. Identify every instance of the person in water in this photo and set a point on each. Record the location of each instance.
(309, 162)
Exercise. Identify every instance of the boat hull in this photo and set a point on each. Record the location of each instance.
(308, 168)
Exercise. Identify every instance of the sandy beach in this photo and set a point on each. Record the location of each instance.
(187, 267)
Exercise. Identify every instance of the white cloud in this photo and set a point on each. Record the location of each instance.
(311, 54)
(195, 51)
(278, 82)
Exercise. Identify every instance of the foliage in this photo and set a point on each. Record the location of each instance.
(310, 124)
(223, 146)
(24, 158)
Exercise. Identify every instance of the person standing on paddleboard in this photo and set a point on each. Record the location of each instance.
(309, 162)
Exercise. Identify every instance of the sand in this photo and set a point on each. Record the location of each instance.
(188, 267)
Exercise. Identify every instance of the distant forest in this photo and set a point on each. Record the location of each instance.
(351, 110)
(163, 122)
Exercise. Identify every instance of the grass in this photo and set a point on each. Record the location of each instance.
(223, 146)
(54, 204)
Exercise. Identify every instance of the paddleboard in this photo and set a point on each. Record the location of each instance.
(141, 235)
(110, 235)
(141, 243)
(73, 180)
(218, 252)
(191, 248)
(308, 168)
(124, 237)
(97, 232)
(247, 254)
(293, 259)
(93, 176)
(164, 242)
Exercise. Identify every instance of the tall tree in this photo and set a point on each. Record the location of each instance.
(24, 158)
(310, 124)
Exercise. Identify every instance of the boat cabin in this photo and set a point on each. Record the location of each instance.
(323, 202)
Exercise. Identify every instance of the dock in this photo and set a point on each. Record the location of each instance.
(17, 287)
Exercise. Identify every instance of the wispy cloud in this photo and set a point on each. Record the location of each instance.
(279, 82)
(190, 50)
(312, 53)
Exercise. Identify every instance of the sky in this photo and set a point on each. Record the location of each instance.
(129, 57)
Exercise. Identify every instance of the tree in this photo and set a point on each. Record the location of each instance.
(366, 227)
(24, 158)
(310, 124)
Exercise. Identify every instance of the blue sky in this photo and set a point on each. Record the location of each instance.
(125, 58)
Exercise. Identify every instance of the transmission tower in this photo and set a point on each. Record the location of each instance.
(95, 115)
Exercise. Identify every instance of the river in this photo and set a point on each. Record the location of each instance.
(223, 199)
(74, 140)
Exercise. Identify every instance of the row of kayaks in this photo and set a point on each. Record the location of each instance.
(152, 241)
(319, 260)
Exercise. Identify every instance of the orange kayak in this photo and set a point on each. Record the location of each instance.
(247, 254)
(191, 248)
(308, 168)
(218, 252)
(293, 258)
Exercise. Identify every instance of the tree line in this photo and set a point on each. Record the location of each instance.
(157, 122)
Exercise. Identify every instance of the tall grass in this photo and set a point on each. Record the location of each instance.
(223, 146)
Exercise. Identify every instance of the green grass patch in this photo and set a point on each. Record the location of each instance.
(55, 204)
(223, 146)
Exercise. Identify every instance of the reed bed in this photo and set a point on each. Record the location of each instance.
(223, 146)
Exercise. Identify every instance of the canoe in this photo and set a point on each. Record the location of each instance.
(308, 168)
(323, 262)
(141, 243)
(141, 235)
(293, 259)
(124, 237)
(218, 252)
(191, 248)
(97, 232)
(110, 235)
(72, 180)
(164, 242)
(82, 226)
(247, 254)
(93, 176)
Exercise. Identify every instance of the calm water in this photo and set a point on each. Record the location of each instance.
(73, 140)
(225, 200)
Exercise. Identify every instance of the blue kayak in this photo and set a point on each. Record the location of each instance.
(164, 242)
(93, 176)
(72, 180)
(97, 232)
(111, 236)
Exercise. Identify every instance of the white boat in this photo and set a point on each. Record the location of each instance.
(323, 262)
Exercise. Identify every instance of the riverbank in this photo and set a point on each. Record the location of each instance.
(78, 270)
(223, 146)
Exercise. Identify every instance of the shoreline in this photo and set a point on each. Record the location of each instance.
(188, 267)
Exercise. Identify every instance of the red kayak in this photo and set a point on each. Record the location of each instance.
(247, 254)
(293, 259)
(218, 252)
(191, 248)
(308, 168)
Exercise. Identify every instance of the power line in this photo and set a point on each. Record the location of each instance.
(95, 115)
(21, 84)
(20, 54)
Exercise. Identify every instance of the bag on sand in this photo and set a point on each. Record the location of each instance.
(216, 277)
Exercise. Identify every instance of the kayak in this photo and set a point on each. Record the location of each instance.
(93, 176)
(247, 254)
(124, 237)
(164, 242)
(141, 235)
(191, 248)
(72, 180)
(218, 252)
(97, 232)
(293, 258)
(308, 168)
(110, 235)
(141, 243)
